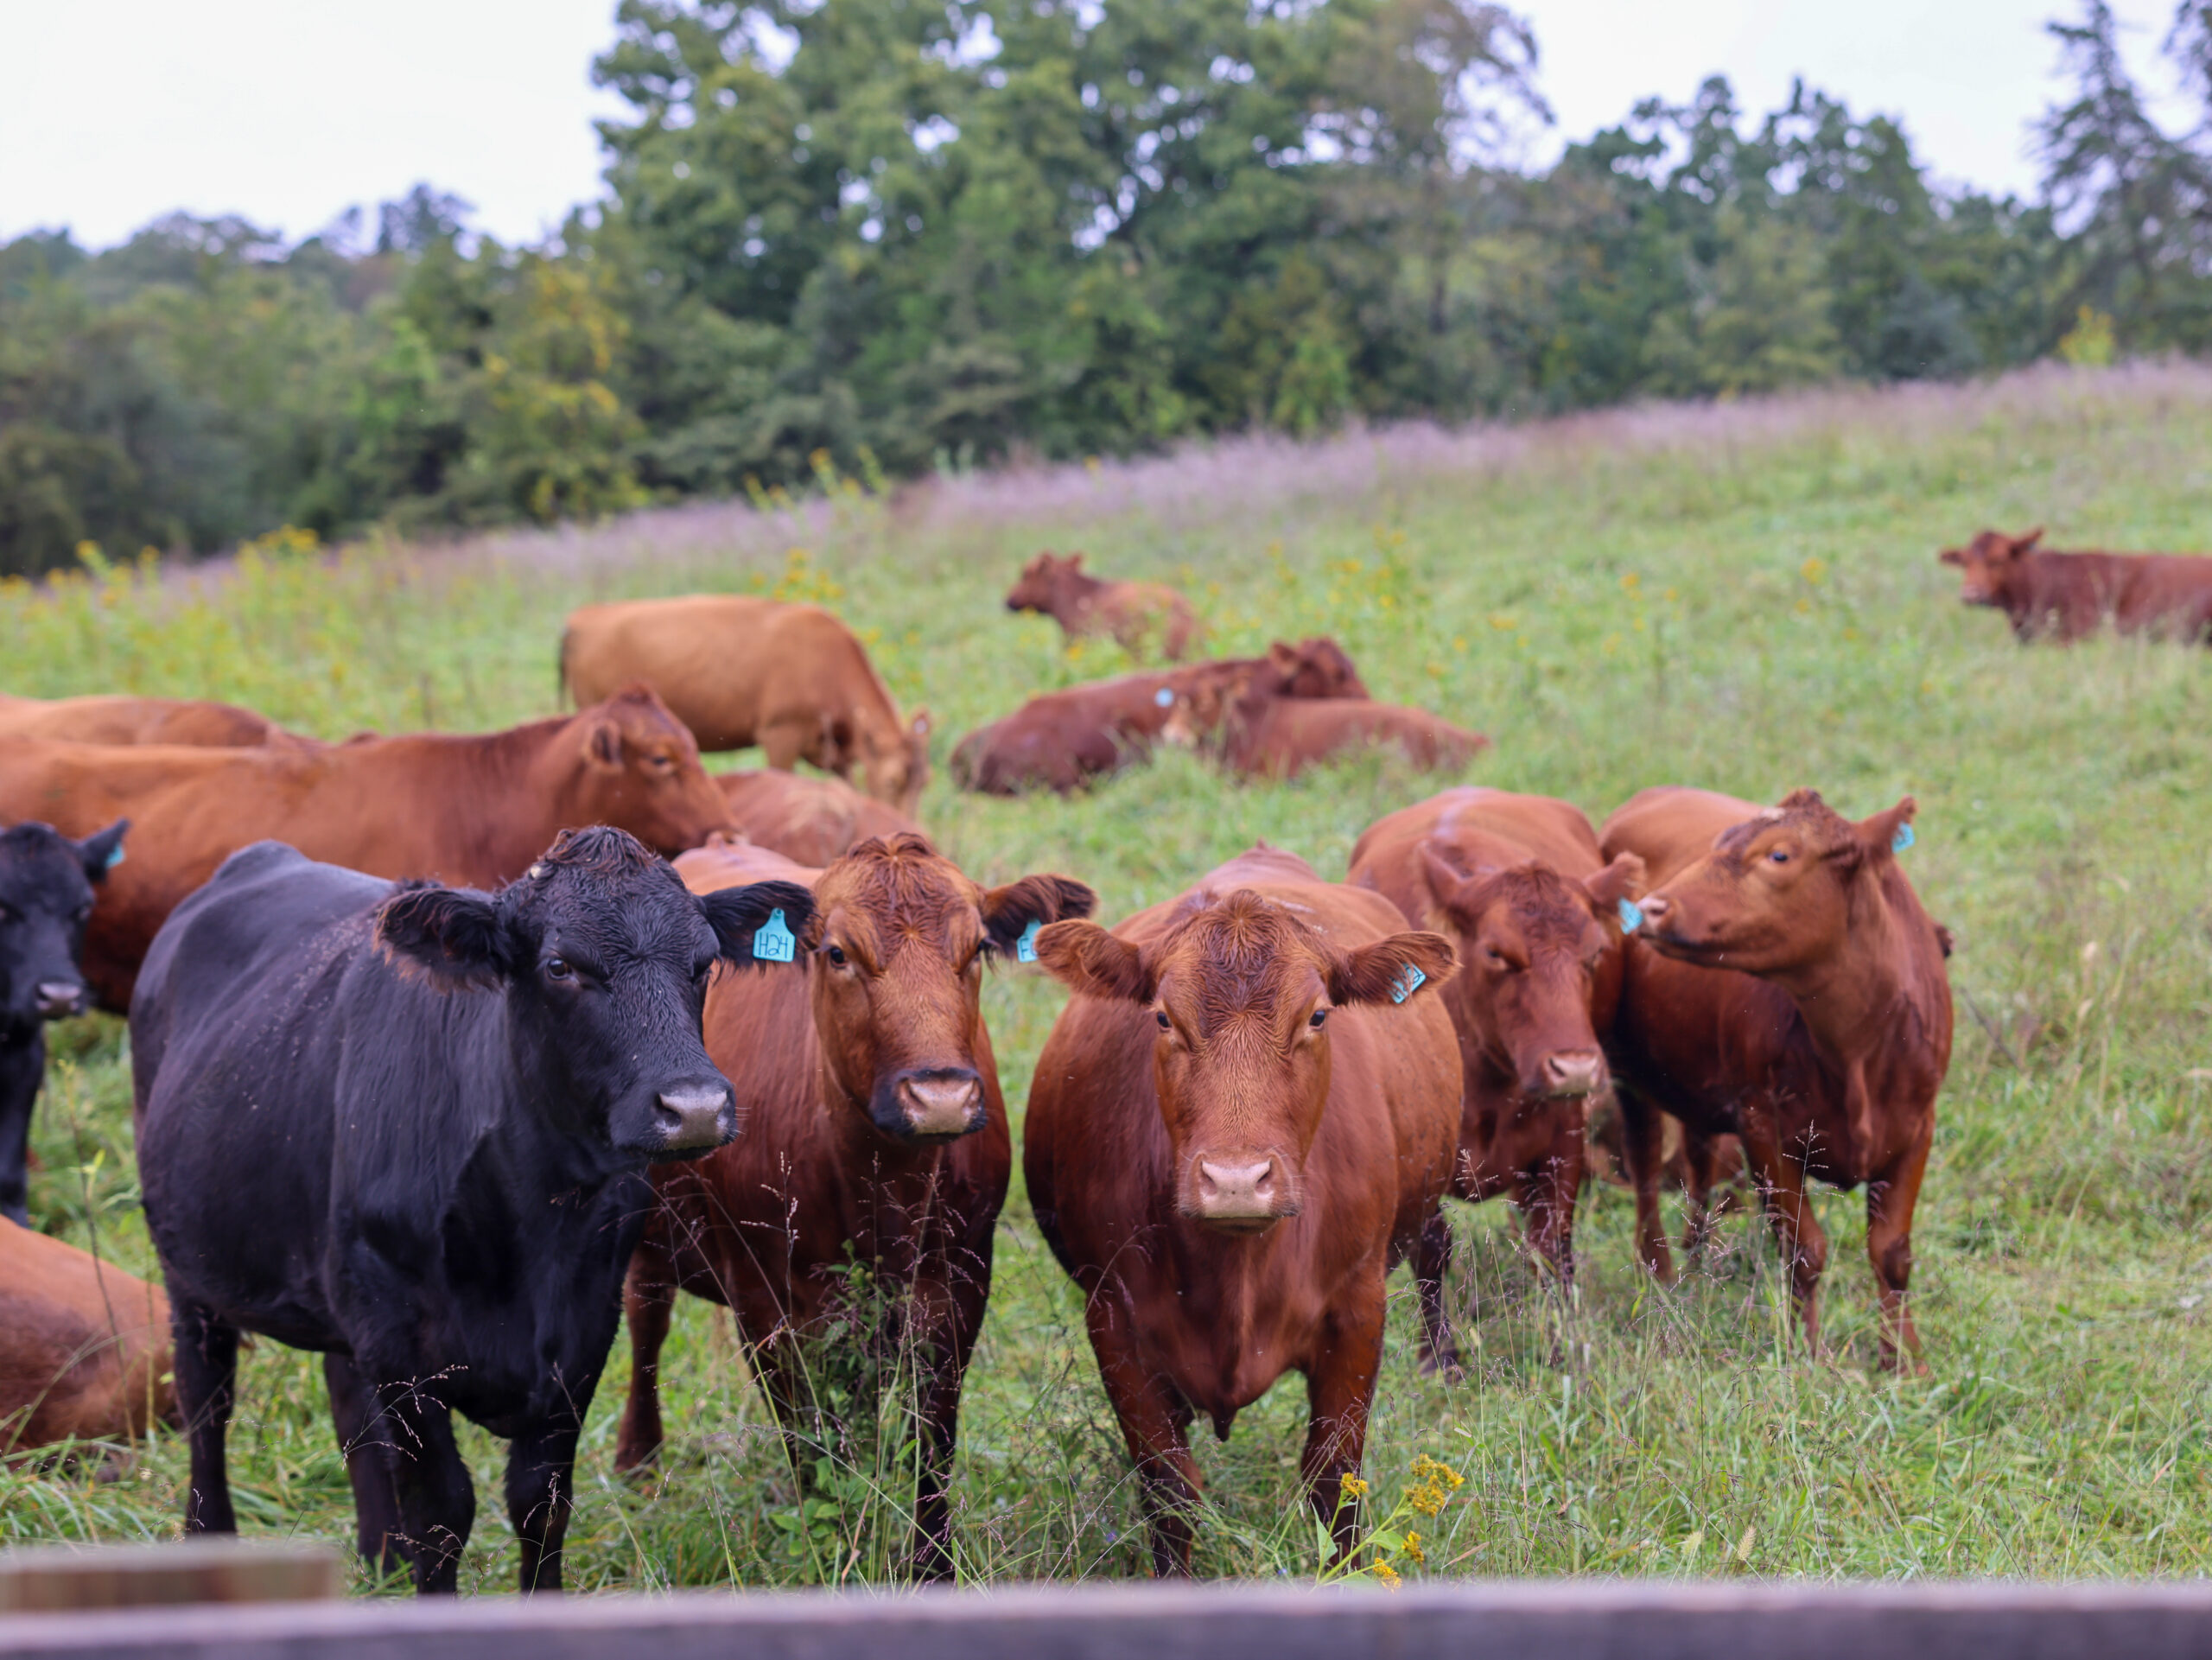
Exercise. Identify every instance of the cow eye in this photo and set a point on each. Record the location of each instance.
(836, 956)
(659, 763)
(1160, 1014)
(1780, 856)
(1318, 1019)
(557, 968)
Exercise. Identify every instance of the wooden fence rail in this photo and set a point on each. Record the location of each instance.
(1560, 1620)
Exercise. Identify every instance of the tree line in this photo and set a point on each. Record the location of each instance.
(917, 233)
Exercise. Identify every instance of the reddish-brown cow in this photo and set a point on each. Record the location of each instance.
(1787, 988)
(1240, 1124)
(812, 820)
(84, 1346)
(1258, 735)
(872, 1131)
(2065, 597)
(1139, 616)
(470, 809)
(1063, 739)
(140, 719)
(1516, 883)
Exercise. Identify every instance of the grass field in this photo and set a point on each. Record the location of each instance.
(1745, 597)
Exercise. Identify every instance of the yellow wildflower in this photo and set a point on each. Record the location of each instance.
(1387, 1575)
(1414, 1549)
(1355, 1486)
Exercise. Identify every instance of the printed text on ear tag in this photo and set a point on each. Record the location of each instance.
(1164, 698)
(772, 941)
(1631, 916)
(1407, 983)
(1024, 949)
(1904, 839)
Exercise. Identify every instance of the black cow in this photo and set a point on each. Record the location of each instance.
(46, 894)
(408, 1126)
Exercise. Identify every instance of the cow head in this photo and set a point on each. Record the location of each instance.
(898, 770)
(1531, 943)
(1199, 708)
(1045, 583)
(1775, 893)
(46, 896)
(636, 767)
(895, 971)
(1988, 564)
(1315, 667)
(603, 957)
(1240, 991)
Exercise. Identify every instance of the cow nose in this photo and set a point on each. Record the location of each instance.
(942, 1105)
(58, 997)
(692, 1117)
(1572, 1071)
(1238, 1192)
(1656, 908)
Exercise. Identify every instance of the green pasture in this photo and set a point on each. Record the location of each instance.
(1741, 597)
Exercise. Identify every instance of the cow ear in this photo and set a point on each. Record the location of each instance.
(1084, 958)
(2022, 543)
(603, 746)
(760, 923)
(1021, 910)
(1951, 556)
(920, 725)
(102, 850)
(451, 935)
(1445, 878)
(1886, 832)
(1392, 970)
(1073, 562)
(1621, 880)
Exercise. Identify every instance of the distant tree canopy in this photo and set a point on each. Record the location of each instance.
(933, 233)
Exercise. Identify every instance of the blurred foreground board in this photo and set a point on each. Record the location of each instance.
(58, 1578)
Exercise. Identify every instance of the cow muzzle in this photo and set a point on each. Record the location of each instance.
(1567, 1073)
(695, 1118)
(1240, 1193)
(939, 1105)
(60, 998)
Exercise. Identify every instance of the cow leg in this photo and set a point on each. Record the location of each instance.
(1154, 1422)
(207, 1368)
(1440, 1349)
(1339, 1389)
(541, 1478)
(1642, 1136)
(436, 1499)
(648, 1300)
(367, 1450)
(1700, 1155)
(790, 738)
(22, 1067)
(1789, 1213)
(945, 1358)
(1890, 1201)
(1545, 1194)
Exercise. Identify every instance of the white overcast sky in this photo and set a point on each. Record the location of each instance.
(287, 111)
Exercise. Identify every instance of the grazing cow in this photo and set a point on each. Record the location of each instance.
(46, 897)
(1137, 615)
(1786, 988)
(466, 808)
(141, 719)
(1240, 1124)
(875, 1134)
(812, 820)
(2065, 597)
(1258, 735)
(409, 1127)
(84, 1346)
(1533, 911)
(1063, 739)
(740, 670)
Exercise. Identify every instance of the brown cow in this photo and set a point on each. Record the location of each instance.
(1517, 885)
(873, 1132)
(84, 1346)
(1256, 735)
(1137, 615)
(1241, 1122)
(1062, 740)
(471, 810)
(740, 670)
(2065, 597)
(1786, 988)
(120, 720)
(812, 820)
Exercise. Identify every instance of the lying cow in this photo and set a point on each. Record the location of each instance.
(1139, 616)
(812, 820)
(1534, 913)
(83, 1347)
(1238, 1127)
(409, 1127)
(1823, 1043)
(468, 808)
(875, 1133)
(2065, 596)
(740, 670)
(1065, 738)
(1257, 735)
(141, 719)
(45, 899)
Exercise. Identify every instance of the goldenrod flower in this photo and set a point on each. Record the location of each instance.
(1414, 1549)
(1355, 1486)
(1387, 1575)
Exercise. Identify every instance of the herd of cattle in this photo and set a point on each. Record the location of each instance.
(432, 1081)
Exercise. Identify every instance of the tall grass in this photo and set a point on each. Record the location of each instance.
(1740, 596)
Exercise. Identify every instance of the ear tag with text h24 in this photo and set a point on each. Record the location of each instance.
(1164, 698)
(1904, 839)
(772, 941)
(1631, 916)
(114, 857)
(1407, 983)
(1024, 949)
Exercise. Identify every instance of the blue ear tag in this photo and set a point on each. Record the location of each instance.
(1631, 916)
(1407, 983)
(1904, 839)
(1024, 949)
(114, 857)
(772, 941)
(1164, 698)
